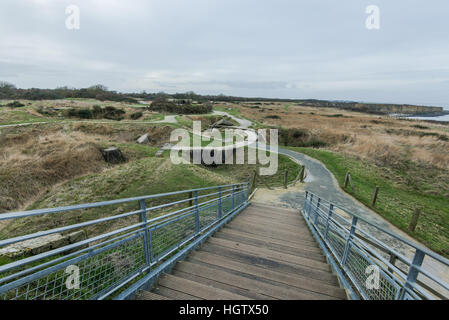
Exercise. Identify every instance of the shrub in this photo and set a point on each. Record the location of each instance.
(15, 104)
(161, 104)
(274, 116)
(136, 115)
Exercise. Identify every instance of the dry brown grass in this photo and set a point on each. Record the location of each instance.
(33, 160)
(385, 140)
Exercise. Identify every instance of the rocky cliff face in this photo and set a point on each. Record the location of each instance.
(402, 109)
(375, 108)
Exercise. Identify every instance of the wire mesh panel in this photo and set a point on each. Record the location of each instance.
(366, 264)
(208, 215)
(84, 277)
(336, 240)
(170, 234)
(226, 205)
(371, 281)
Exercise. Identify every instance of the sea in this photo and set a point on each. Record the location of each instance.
(444, 118)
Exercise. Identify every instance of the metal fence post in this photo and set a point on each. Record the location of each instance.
(329, 215)
(220, 212)
(413, 272)
(143, 218)
(197, 212)
(233, 201)
(247, 192)
(306, 203)
(349, 242)
(310, 205)
(316, 211)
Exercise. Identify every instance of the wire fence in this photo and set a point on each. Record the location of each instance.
(99, 266)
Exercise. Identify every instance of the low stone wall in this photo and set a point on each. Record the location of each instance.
(42, 244)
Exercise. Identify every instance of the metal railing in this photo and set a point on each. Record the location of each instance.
(123, 247)
(368, 267)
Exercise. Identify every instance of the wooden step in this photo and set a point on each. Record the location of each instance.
(264, 206)
(279, 291)
(298, 251)
(147, 295)
(267, 220)
(280, 266)
(266, 252)
(284, 227)
(295, 216)
(197, 289)
(271, 254)
(289, 279)
(311, 246)
(287, 236)
(179, 271)
(173, 294)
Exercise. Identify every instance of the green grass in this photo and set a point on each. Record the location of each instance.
(20, 116)
(396, 201)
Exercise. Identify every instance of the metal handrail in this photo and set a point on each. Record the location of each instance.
(353, 252)
(109, 261)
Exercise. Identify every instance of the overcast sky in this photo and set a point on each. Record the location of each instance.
(269, 48)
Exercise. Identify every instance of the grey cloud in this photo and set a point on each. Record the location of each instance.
(270, 48)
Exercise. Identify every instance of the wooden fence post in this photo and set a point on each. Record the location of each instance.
(414, 221)
(374, 199)
(349, 178)
(285, 179)
(191, 200)
(302, 174)
(254, 180)
(346, 179)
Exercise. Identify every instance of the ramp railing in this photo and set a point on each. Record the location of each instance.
(372, 262)
(123, 242)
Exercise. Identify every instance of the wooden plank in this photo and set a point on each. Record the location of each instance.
(311, 247)
(271, 254)
(268, 218)
(278, 215)
(173, 294)
(178, 271)
(146, 295)
(271, 225)
(273, 212)
(274, 215)
(265, 262)
(280, 291)
(285, 278)
(198, 289)
(273, 246)
(271, 236)
(266, 206)
(288, 236)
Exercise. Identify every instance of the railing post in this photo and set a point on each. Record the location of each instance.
(413, 272)
(247, 191)
(349, 242)
(197, 212)
(220, 212)
(316, 211)
(329, 215)
(306, 203)
(310, 205)
(146, 238)
(233, 196)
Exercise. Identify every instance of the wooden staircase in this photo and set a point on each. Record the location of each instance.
(264, 253)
